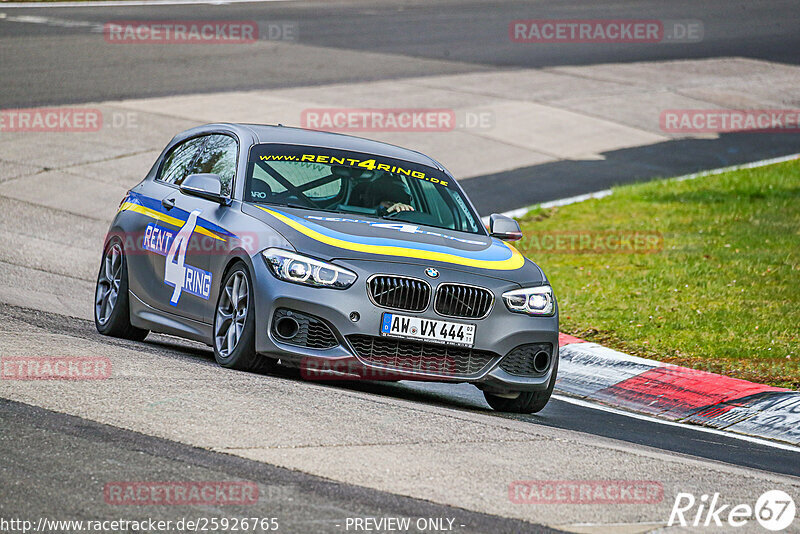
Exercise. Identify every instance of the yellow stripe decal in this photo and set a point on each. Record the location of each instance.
(162, 217)
(514, 262)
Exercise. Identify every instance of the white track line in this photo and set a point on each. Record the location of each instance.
(519, 212)
(127, 3)
(753, 165)
(707, 430)
(50, 21)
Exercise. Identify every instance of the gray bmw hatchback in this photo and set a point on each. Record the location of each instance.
(344, 257)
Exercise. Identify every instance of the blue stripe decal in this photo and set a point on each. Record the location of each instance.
(155, 205)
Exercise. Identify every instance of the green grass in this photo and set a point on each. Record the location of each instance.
(723, 295)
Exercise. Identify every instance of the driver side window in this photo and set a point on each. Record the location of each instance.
(218, 157)
(215, 154)
(179, 161)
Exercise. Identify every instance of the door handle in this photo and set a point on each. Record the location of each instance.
(168, 203)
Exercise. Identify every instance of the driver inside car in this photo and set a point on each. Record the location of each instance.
(387, 194)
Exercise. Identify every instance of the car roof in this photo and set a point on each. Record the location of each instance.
(265, 133)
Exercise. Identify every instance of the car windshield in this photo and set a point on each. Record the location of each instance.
(356, 183)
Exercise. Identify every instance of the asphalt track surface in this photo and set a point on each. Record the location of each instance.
(558, 413)
(76, 451)
(74, 456)
(52, 63)
(52, 57)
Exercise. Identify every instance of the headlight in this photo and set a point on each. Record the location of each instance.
(292, 267)
(531, 300)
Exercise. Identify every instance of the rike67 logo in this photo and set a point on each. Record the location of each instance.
(774, 510)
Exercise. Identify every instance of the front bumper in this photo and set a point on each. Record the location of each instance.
(500, 332)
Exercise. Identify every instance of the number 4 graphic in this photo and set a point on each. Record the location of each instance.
(175, 269)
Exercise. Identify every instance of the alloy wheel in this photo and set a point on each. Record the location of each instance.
(231, 314)
(108, 284)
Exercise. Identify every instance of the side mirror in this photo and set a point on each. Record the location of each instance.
(206, 186)
(504, 228)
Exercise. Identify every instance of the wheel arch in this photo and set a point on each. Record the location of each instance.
(237, 255)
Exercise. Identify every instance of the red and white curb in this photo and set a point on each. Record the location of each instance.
(593, 372)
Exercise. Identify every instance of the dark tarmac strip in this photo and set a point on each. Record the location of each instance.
(56, 466)
(568, 178)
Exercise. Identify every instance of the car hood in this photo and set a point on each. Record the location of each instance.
(354, 237)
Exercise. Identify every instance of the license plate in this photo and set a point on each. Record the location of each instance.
(446, 332)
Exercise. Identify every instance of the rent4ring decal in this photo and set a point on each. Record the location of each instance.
(177, 273)
(370, 164)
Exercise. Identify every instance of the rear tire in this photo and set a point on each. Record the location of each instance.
(112, 311)
(527, 401)
(234, 324)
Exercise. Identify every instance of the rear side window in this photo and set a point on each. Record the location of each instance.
(218, 156)
(179, 161)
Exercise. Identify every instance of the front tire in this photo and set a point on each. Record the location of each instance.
(112, 311)
(528, 401)
(234, 323)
